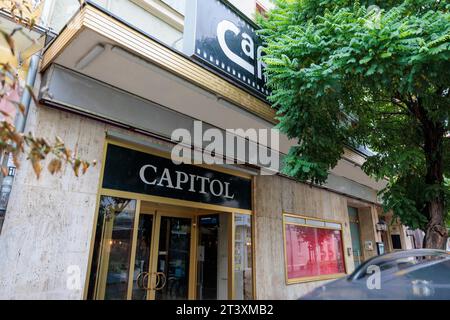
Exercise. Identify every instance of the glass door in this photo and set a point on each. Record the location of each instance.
(355, 236)
(111, 266)
(142, 254)
(162, 263)
(142, 257)
(173, 258)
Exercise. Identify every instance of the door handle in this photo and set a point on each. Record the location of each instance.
(160, 278)
(140, 280)
(157, 282)
(161, 281)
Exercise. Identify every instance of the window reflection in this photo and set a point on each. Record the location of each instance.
(313, 251)
(212, 261)
(174, 258)
(142, 261)
(112, 248)
(243, 278)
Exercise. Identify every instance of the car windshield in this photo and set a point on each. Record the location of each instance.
(393, 264)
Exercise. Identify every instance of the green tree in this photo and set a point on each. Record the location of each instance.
(371, 73)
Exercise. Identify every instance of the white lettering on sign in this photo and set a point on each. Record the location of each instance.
(247, 46)
(142, 174)
(182, 181)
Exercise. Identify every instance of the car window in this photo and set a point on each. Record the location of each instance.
(399, 264)
(438, 273)
(389, 266)
(394, 265)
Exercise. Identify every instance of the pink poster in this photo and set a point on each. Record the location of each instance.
(313, 251)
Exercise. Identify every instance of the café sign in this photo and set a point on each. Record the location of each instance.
(221, 37)
(134, 171)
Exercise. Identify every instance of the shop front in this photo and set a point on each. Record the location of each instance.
(166, 231)
(139, 227)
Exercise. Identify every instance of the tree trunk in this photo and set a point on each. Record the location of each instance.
(436, 231)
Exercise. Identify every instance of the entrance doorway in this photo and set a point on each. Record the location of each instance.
(155, 251)
(162, 261)
(355, 235)
(147, 256)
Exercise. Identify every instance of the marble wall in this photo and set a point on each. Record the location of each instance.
(46, 236)
(277, 195)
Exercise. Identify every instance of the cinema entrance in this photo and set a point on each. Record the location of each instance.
(152, 242)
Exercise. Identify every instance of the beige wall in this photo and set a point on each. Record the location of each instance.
(368, 217)
(277, 195)
(395, 227)
(48, 224)
(48, 227)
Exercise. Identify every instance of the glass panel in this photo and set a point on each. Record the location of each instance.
(336, 226)
(104, 202)
(290, 219)
(112, 249)
(396, 242)
(212, 261)
(313, 252)
(119, 217)
(142, 262)
(173, 258)
(315, 223)
(243, 277)
(356, 243)
(353, 213)
(2, 219)
(113, 234)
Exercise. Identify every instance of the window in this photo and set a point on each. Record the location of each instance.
(396, 242)
(112, 249)
(313, 249)
(2, 219)
(243, 277)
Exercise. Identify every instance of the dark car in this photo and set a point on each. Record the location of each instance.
(405, 275)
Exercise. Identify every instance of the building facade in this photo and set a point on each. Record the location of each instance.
(119, 77)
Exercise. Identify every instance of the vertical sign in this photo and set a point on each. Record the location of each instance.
(221, 37)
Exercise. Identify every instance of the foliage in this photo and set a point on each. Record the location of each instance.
(370, 73)
(16, 143)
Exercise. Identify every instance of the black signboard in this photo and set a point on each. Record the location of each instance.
(220, 36)
(139, 172)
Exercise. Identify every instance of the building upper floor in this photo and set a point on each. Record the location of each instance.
(162, 19)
